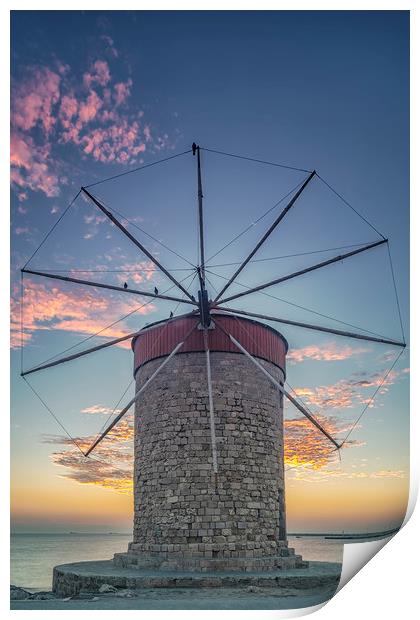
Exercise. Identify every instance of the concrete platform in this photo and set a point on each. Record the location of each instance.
(71, 579)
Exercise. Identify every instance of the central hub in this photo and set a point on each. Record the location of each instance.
(204, 307)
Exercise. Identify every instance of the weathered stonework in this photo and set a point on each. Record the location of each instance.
(83, 577)
(185, 516)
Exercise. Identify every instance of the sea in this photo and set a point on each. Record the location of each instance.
(33, 556)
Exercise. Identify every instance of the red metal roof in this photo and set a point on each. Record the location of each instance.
(160, 339)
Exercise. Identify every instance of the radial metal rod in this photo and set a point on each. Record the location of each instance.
(301, 272)
(74, 356)
(139, 392)
(211, 407)
(267, 234)
(200, 217)
(111, 287)
(135, 241)
(279, 386)
(319, 328)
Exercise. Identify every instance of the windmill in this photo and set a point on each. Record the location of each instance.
(210, 330)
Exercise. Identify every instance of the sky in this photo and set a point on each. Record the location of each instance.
(96, 94)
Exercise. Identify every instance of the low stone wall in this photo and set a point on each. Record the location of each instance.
(72, 579)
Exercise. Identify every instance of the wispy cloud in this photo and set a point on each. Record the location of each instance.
(110, 466)
(110, 45)
(348, 393)
(329, 352)
(137, 272)
(99, 409)
(52, 308)
(22, 230)
(307, 474)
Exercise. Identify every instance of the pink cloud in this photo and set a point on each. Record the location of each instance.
(143, 271)
(20, 151)
(50, 107)
(94, 219)
(33, 100)
(347, 393)
(29, 165)
(89, 109)
(99, 409)
(85, 312)
(110, 45)
(68, 110)
(328, 352)
(122, 91)
(22, 230)
(147, 133)
(118, 142)
(99, 74)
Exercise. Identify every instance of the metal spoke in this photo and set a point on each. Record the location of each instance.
(74, 356)
(111, 287)
(139, 392)
(135, 241)
(319, 328)
(301, 272)
(278, 385)
(211, 408)
(267, 234)
(196, 150)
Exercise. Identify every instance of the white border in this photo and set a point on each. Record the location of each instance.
(387, 585)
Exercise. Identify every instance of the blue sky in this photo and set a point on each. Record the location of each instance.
(95, 94)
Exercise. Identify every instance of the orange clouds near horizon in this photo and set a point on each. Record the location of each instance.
(111, 466)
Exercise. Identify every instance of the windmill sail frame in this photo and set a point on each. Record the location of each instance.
(207, 308)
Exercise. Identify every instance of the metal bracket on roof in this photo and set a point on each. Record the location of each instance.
(211, 325)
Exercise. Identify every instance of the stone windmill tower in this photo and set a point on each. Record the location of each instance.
(209, 475)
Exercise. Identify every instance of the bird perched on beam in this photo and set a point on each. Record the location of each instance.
(194, 147)
(156, 291)
(171, 314)
(125, 285)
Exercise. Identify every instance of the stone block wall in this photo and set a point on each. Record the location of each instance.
(183, 512)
